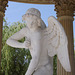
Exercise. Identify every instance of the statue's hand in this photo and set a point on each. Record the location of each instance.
(27, 44)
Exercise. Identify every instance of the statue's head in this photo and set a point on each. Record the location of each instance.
(33, 16)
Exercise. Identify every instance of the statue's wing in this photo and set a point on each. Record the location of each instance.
(56, 42)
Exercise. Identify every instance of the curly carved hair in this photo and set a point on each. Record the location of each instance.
(41, 23)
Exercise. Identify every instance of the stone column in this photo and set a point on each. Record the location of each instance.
(3, 4)
(65, 12)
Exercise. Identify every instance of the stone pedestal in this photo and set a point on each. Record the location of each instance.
(65, 12)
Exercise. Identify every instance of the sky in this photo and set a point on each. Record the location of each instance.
(16, 10)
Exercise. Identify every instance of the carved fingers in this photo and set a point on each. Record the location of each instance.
(27, 44)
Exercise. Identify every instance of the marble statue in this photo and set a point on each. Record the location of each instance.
(43, 43)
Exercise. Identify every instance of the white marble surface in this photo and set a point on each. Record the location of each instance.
(43, 43)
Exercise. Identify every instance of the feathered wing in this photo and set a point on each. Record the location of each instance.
(56, 42)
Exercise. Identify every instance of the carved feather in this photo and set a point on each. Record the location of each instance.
(57, 42)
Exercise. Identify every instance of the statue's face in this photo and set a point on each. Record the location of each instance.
(32, 22)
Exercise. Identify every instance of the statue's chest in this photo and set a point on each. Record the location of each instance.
(35, 37)
(35, 42)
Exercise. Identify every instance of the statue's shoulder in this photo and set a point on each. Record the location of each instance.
(24, 31)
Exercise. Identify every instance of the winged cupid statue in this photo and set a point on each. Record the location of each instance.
(43, 43)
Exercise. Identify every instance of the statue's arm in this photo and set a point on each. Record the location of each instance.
(34, 62)
(13, 40)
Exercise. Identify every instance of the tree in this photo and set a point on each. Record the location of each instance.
(14, 61)
(55, 65)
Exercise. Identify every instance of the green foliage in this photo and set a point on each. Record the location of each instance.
(14, 61)
(55, 65)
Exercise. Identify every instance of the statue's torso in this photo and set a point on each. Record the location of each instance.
(35, 38)
(38, 43)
